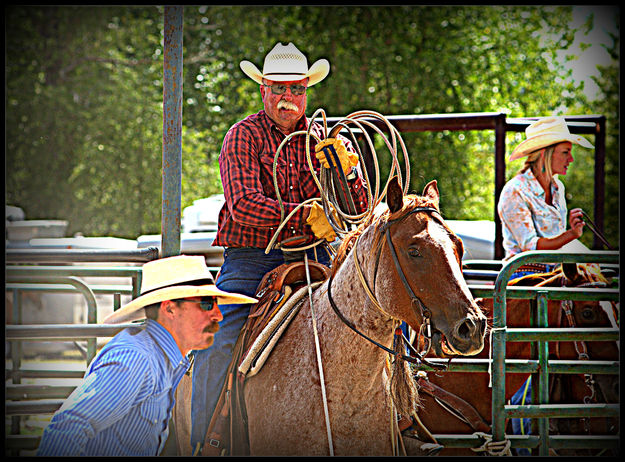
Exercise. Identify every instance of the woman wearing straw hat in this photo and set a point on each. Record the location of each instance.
(533, 210)
(251, 215)
(124, 404)
(532, 205)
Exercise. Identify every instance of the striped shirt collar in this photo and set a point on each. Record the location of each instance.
(165, 340)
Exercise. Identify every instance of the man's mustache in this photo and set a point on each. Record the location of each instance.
(283, 104)
(212, 328)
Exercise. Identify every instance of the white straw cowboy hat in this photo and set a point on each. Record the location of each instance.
(171, 278)
(545, 132)
(287, 63)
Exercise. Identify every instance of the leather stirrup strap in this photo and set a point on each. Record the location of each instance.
(455, 405)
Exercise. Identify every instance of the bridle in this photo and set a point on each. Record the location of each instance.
(580, 346)
(581, 349)
(426, 314)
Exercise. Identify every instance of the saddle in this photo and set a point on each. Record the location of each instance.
(227, 430)
(274, 290)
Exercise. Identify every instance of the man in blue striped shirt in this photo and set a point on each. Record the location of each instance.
(124, 404)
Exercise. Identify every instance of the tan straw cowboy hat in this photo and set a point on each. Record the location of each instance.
(171, 278)
(545, 132)
(286, 63)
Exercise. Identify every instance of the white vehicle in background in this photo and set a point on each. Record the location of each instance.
(202, 215)
(198, 230)
(478, 238)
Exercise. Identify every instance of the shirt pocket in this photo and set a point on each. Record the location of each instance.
(267, 174)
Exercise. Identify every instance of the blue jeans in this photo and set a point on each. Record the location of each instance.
(242, 271)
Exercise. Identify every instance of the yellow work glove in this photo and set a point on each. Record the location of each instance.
(319, 223)
(346, 158)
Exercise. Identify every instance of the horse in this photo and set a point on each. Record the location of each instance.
(348, 401)
(473, 388)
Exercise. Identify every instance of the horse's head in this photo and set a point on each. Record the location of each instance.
(423, 262)
(582, 314)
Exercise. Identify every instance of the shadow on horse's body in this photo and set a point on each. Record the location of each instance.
(564, 388)
(285, 410)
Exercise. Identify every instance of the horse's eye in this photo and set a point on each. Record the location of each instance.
(588, 314)
(413, 252)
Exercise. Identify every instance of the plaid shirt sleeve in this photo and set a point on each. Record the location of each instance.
(252, 211)
(243, 188)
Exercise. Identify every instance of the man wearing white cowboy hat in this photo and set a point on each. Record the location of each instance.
(532, 205)
(124, 404)
(251, 215)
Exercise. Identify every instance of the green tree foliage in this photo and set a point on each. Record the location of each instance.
(84, 96)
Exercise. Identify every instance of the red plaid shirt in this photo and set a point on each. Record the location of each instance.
(251, 213)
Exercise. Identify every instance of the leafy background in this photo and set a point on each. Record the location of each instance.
(84, 97)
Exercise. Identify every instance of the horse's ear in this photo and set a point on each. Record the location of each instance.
(570, 271)
(394, 195)
(431, 192)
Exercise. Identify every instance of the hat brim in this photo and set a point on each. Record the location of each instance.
(316, 73)
(134, 311)
(542, 141)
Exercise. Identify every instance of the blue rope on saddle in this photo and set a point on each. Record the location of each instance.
(522, 426)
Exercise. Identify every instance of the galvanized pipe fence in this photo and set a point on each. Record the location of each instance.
(29, 270)
(28, 399)
(542, 366)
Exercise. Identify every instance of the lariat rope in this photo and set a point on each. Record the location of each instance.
(329, 183)
(493, 448)
(319, 363)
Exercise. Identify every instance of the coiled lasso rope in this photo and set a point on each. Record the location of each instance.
(326, 183)
(344, 221)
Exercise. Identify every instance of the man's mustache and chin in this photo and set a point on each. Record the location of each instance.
(282, 104)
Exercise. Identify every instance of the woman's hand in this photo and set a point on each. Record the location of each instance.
(576, 222)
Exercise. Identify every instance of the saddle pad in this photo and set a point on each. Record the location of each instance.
(269, 336)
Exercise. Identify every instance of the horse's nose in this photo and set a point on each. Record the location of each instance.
(471, 327)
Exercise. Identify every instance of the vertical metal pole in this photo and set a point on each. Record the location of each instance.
(543, 373)
(172, 131)
(500, 179)
(16, 360)
(498, 365)
(599, 198)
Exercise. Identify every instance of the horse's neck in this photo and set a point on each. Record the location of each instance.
(352, 300)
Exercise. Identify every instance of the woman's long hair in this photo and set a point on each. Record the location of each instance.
(533, 158)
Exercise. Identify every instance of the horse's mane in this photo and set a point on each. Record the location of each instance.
(411, 202)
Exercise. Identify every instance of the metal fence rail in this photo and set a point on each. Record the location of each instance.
(501, 334)
(25, 400)
(29, 270)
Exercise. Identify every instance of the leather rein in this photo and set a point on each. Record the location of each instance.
(426, 314)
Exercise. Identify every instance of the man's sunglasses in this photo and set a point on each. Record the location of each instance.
(280, 88)
(206, 303)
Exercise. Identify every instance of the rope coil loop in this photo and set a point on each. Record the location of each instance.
(332, 181)
(493, 448)
(335, 196)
